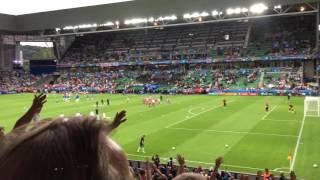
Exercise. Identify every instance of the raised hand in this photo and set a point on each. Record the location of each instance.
(38, 103)
(180, 160)
(35, 108)
(118, 119)
(218, 161)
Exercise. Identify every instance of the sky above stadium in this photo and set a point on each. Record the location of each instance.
(20, 7)
(39, 44)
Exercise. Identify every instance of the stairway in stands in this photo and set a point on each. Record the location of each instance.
(48, 79)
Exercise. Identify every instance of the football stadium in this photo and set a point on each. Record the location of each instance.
(160, 90)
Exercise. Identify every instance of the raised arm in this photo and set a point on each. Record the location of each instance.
(218, 162)
(118, 119)
(35, 108)
(181, 162)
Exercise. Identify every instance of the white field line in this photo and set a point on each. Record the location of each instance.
(235, 132)
(199, 162)
(281, 120)
(194, 115)
(283, 168)
(264, 117)
(190, 110)
(297, 144)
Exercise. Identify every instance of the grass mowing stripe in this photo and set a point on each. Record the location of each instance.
(265, 116)
(297, 145)
(195, 115)
(280, 120)
(235, 132)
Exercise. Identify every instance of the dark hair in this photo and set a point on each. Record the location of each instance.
(64, 149)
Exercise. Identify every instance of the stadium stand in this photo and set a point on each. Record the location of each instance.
(19, 81)
(176, 43)
(222, 40)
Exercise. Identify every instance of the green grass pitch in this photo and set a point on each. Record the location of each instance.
(200, 128)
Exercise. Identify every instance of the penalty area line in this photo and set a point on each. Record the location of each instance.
(194, 115)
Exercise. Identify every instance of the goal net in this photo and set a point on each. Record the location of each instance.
(312, 106)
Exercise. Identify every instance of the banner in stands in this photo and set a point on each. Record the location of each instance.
(259, 92)
(7, 92)
(248, 94)
(191, 61)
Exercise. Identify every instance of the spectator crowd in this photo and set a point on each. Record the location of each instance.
(156, 80)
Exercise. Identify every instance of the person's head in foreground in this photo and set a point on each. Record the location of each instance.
(190, 176)
(77, 148)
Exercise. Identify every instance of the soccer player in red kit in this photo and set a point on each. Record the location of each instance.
(224, 103)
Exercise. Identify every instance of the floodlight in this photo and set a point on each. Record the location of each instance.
(69, 27)
(215, 13)
(117, 24)
(278, 6)
(107, 24)
(244, 10)
(196, 14)
(230, 11)
(136, 21)
(151, 19)
(204, 14)
(173, 17)
(84, 26)
(167, 18)
(302, 8)
(237, 10)
(258, 8)
(186, 16)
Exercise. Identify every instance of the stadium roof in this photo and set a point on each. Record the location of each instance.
(18, 7)
(111, 12)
